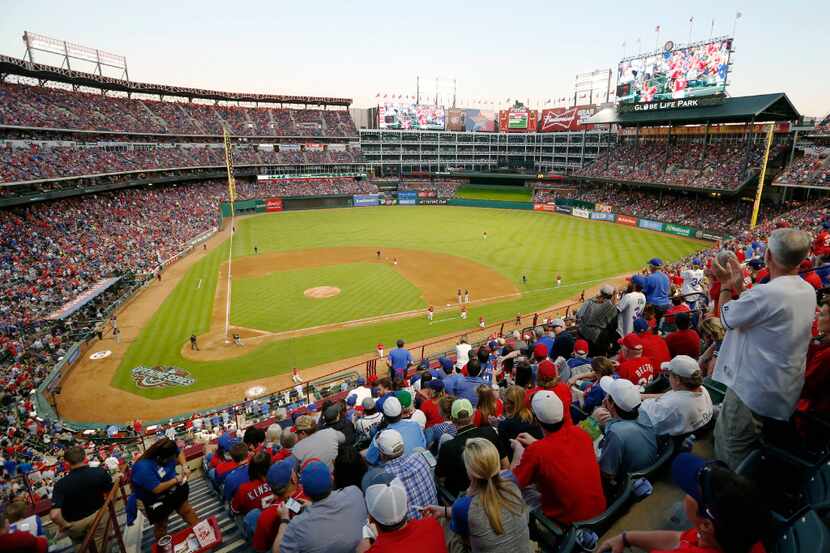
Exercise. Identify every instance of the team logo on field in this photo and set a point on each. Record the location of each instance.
(161, 377)
(100, 355)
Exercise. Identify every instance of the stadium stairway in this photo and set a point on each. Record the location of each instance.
(206, 503)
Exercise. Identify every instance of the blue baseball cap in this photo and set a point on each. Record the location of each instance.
(361, 381)
(436, 385)
(655, 262)
(316, 478)
(279, 474)
(756, 263)
(351, 400)
(640, 325)
(446, 363)
(696, 261)
(685, 473)
(312, 408)
(227, 440)
(826, 224)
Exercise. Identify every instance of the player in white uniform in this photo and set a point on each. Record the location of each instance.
(631, 307)
(692, 287)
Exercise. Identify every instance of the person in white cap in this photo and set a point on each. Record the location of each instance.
(686, 407)
(629, 444)
(413, 470)
(390, 529)
(413, 436)
(562, 464)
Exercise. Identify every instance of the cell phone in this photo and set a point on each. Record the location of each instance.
(293, 505)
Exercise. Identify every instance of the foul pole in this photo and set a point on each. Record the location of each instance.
(232, 199)
(762, 176)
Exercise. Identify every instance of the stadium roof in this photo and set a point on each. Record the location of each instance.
(743, 109)
(16, 66)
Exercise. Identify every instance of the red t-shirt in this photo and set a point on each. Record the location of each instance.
(674, 310)
(684, 342)
(814, 397)
(224, 467)
(689, 544)
(639, 370)
(813, 279)
(23, 542)
(284, 453)
(418, 536)
(655, 348)
(564, 468)
(563, 393)
(255, 494)
(267, 525)
(431, 411)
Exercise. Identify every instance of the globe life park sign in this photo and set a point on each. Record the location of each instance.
(678, 103)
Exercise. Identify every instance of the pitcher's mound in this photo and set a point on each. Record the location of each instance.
(321, 292)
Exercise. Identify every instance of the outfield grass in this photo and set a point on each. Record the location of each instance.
(276, 302)
(537, 244)
(494, 192)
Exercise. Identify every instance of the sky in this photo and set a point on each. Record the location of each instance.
(494, 50)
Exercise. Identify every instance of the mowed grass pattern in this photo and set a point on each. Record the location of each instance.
(276, 302)
(494, 192)
(537, 244)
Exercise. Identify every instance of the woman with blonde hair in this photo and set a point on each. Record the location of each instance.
(489, 405)
(518, 419)
(492, 517)
(712, 332)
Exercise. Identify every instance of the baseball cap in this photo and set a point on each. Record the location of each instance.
(368, 403)
(631, 341)
(696, 261)
(316, 478)
(547, 407)
(581, 346)
(387, 502)
(361, 381)
(826, 224)
(392, 407)
(655, 262)
(681, 365)
(756, 263)
(305, 422)
(279, 474)
(331, 413)
(419, 417)
(607, 290)
(540, 351)
(351, 400)
(460, 405)
(640, 325)
(624, 393)
(446, 363)
(685, 473)
(436, 385)
(312, 408)
(227, 440)
(390, 442)
(404, 397)
(557, 322)
(546, 370)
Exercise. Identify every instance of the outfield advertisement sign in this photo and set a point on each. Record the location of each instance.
(407, 198)
(273, 204)
(651, 225)
(563, 209)
(432, 201)
(365, 200)
(579, 212)
(627, 220)
(678, 230)
(544, 207)
(602, 216)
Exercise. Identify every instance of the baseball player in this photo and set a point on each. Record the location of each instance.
(295, 376)
(524, 279)
(481, 322)
(466, 296)
(484, 235)
(378, 252)
(380, 350)
(459, 296)
(395, 261)
(430, 313)
(518, 319)
(464, 312)
(558, 281)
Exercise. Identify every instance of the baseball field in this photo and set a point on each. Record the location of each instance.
(315, 289)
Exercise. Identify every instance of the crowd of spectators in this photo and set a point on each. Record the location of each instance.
(305, 187)
(719, 165)
(440, 188)
(45, 107)
(37, 162)
(811, 169)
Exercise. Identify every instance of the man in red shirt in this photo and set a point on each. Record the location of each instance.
(654, 347)
(386, 501)
(428, 404)
(634, 366)
(563, 464)
(287, 440)
(255, 493)
(284, 483)
(547, 378)
(21, 542)
(685, 340)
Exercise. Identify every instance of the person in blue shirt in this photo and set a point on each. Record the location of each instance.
(156, 484)
(465, 387)
(410, 431)
(656, 287)
(399, 361)
(238, 476)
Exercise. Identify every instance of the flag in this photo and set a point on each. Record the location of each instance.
(657, 29)
(378, 95)
(738, 15)
(692, 19)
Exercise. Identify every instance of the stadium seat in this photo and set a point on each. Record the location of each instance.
(778, 478)
(717, 391)
(805, 532)
(667, 450)
(817, 489)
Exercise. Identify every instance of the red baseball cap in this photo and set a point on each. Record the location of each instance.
(547, 370)
(540, 351)
(581, 346)
(631, 341)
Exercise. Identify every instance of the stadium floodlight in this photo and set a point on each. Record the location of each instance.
(69, 52)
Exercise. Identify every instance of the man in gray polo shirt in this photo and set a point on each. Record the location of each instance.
(316, 444)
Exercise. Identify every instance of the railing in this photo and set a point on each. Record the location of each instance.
(89, 543)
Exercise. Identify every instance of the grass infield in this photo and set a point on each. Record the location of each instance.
(539, 245)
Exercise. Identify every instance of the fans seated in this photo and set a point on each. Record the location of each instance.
(811, 169)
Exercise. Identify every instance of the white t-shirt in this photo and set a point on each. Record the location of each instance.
(630, 307)
(462, 354)
(764, 353)
(678, 411)
(692, 284)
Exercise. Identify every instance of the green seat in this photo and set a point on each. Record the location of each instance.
(817, 489)
(717, 391)
(805, 533)
(667, 450)
(615, 509)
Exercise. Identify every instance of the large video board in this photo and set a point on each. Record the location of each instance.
(694, 71)
(411, 116)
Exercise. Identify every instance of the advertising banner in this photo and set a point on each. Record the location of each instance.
(407, 198)
(678, 230)
(455, 119)
(602, 216)
(337, 147)
(544, 207)
(477, 120)
(289, 147)
(651, 225)
(602, 207)
(627, 220)
(313, 147)
(432, 201)
(364, 200)
(426, 193)
(566, 119)
(707, 236)
(563, 209)
(579, 212)
(517, 120)
(273, 204)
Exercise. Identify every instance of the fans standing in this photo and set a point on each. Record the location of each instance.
(631, 308)
(595, 317)
(656, 287)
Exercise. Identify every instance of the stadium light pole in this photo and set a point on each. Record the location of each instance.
(232, 199)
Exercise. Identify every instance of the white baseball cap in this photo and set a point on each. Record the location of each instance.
(547, 407)
(419, 417)
(624, 393)
(681, 365)
(392, 407)
(390, 442)
(387, 502)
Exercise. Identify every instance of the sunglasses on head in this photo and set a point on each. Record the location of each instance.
(704, 477)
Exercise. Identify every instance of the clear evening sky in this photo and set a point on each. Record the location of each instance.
(496, 50)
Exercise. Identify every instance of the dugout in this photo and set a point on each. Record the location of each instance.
(703, 121)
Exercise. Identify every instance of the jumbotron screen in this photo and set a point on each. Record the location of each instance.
(675, 73)
(517, 120)
(411, 116)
